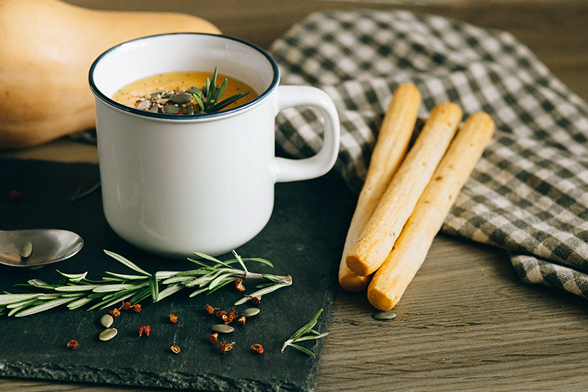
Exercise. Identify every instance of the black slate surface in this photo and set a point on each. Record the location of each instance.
(304, 239)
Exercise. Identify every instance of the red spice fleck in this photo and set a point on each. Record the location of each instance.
(239, 286)
(258, 348)
(137, 308)
(114, 312)
(226, 347)
(255, 300)
(173, 318)
(145, 329)
(72, 345)
(212, 339)
(210, 309)
(241, 320)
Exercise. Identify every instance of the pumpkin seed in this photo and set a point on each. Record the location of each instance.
(108, 334)
(222, 328)
(106, 320)
(171, 109)
(181, 98)
(26, 250)
(389, 315)
(250, 312)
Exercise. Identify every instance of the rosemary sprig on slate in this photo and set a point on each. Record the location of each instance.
(78, 291)
(301, 335)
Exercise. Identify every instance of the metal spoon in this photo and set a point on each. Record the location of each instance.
(47, 245)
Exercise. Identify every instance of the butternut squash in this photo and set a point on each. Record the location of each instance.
(47, 49)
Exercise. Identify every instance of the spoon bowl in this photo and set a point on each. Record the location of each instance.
(48, 246)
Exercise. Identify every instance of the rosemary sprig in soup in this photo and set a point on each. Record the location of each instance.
(177, 93)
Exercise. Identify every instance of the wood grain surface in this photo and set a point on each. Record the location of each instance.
(466, 322)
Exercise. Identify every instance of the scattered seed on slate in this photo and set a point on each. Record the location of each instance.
(250, 312)
(222, 328)
(108, 334)
(26, 250)
(106, 320)
(389, 315)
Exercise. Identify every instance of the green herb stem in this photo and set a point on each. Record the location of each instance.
(301, 335)
(78, 291)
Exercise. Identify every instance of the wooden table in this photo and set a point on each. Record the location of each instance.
(466, 322)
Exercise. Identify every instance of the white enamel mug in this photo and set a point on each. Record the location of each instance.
(172, 185)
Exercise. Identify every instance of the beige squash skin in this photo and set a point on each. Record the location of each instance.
(46, 50)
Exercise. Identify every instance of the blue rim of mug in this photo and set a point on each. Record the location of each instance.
(245, 106)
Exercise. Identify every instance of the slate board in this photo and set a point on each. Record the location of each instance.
(304, 239)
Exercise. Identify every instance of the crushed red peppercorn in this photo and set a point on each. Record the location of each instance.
(126, 306)
(137, 308)
(258, 348)
(145, 329)
(173, 318)
(114, 312)
(241, 320)
(210, 309)
(226, 347)
(212, 339)
(239, 286)
(72, 345)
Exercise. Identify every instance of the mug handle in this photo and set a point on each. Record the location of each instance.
(319, 164)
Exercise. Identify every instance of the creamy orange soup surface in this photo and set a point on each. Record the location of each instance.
(155, 93)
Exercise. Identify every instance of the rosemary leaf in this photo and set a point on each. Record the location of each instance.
(259, 260)
(6, 299)
(43, 307)
(211, 258)
(169, 291)
(20, 304)
(125, 277)
(240, 261)
(303, 349)
(154, 287)
(223, 104)
(218, 286)
(114, 300)
(112, 287)
(140, 295)
(126, 262)
(86, 287)
(79, 303)
(197, 292)
(74, 277)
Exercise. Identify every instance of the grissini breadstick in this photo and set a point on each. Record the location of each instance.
(403, 262)
(391, 146)
(407, 186)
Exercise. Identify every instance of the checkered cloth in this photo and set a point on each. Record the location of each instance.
(529, 192)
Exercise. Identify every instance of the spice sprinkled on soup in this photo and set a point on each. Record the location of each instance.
(185, 93)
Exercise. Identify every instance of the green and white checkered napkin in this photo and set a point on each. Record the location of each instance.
(529, 192)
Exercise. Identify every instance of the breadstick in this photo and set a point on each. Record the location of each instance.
(403, 262)
(390, 149)
(407, 186)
